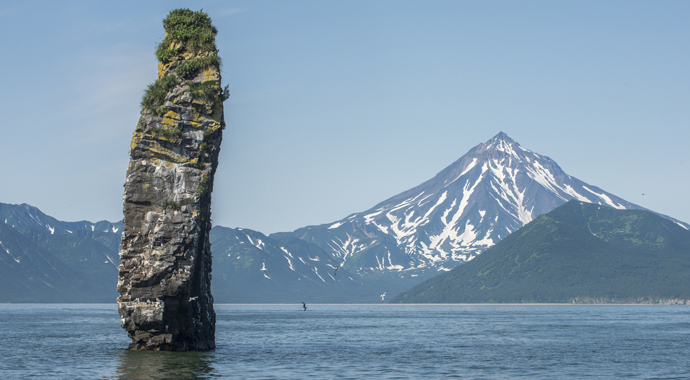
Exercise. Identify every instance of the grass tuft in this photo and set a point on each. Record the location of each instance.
(191, 67)
(175, 206)
(173, 135)
(155, 94)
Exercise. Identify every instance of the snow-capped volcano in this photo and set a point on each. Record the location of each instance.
(493, 190)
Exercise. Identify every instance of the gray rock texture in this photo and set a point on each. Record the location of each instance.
(164, 275)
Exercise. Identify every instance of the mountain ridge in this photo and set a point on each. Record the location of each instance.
(480, 199)
(296, 271)
(579, 251)
(494, 189)
(45, 260)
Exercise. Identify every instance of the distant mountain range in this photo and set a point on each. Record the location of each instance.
(483, 197)
(296, 271)
(490, 192)
(578, 252)
(45, 260)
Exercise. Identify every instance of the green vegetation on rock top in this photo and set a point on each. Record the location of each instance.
(192, 30)
(188, 48)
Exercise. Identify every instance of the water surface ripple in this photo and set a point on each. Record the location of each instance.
(61, 341)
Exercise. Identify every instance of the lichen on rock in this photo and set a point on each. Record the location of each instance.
(164, 276)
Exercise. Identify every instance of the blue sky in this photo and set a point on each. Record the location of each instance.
(336, 106)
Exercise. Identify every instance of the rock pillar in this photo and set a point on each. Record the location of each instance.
(165, 300)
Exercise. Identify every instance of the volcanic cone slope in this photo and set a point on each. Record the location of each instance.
(487, 194)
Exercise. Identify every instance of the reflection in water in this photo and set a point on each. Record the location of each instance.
(158, 365)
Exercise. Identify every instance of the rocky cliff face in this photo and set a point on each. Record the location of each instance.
(165, 300)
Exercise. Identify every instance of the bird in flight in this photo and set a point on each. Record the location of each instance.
(304, 305)
(383, 295)
(263, 268)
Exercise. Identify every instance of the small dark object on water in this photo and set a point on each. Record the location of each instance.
(304, 305)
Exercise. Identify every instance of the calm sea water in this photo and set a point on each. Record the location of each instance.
(359, 342)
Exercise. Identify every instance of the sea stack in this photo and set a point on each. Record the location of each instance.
(165, 300)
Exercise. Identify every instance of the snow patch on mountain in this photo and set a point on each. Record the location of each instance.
(606, 199)
(493, 190)
(336, 225)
